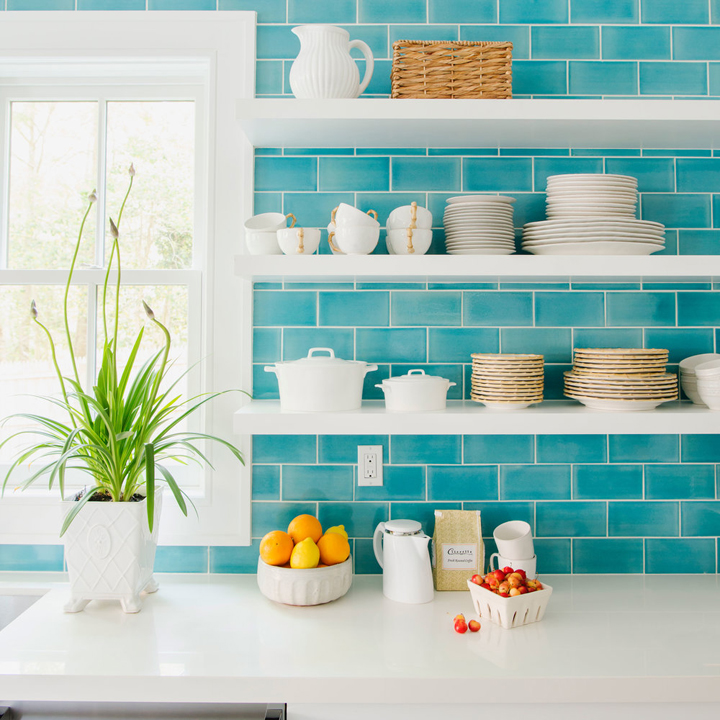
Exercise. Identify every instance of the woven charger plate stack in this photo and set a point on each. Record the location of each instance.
(507, 382)
(622, 379)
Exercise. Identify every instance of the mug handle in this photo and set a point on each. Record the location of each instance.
(364, 48)
(332, 244)
(373, 213)
(301, 238)
(294, 219)
(411, 227)
(490, 562)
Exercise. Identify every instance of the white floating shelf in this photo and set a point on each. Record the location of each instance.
(469, 268)
(561, 123)
(264, 417)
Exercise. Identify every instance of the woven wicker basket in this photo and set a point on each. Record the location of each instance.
(454, 69)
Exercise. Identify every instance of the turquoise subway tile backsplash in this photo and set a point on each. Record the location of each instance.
(603, 78)
(600, 482)
(680, 555)
(643, 519)
(670, 12)
(533, 11)
(330, 12)
(462, 11)
(604, 11)
(518, 35)
(696, 43)
(571, 449)
(666, 78)
(680, 482)
(636, 43)
(607, 555)
(551, 42)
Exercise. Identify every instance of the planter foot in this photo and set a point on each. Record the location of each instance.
(153, 585)
(131, 604)
(75, 605)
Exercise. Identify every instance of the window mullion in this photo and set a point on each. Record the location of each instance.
(4, 178)
(101, 183)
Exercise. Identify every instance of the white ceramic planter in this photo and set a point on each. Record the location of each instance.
(110, 553)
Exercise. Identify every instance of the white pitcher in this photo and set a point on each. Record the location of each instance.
(324, 67)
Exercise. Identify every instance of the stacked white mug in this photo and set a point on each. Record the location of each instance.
(515, 548)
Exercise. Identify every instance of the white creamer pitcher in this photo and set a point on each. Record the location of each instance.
(324, 67)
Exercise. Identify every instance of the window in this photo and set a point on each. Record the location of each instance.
(74, 117)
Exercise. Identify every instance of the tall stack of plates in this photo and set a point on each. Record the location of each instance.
(592, 214)
(621, 378)
(479, 225)
(507, 382)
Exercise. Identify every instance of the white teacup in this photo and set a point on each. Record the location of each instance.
(262, 243)
(354, 240)
(266, 222)
(514, 539)
(418, 242)
(401, 217)
(529, 565)
(345, 215)
(298, 241)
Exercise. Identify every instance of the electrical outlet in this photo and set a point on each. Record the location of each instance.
(370, 465)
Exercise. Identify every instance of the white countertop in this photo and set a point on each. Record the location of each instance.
(217, 639)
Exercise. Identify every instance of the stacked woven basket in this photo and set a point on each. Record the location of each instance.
(507, 382)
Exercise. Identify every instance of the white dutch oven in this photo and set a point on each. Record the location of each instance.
(320, 383)
(415, 392)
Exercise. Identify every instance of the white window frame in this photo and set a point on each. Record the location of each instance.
(223, 43)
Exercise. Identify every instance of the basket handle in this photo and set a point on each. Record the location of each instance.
(364, 48)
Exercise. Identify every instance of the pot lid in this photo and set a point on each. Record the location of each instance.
(415, 376)
(403, 527)
(314, 360)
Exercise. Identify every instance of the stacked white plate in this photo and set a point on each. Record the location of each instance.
(592, 215)
(479, 225)
(621, 378)
(507, 382)
(688, 379)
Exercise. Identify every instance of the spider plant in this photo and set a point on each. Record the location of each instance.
(123, 430)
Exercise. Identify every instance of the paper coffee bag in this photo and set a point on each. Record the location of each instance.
(458, 551)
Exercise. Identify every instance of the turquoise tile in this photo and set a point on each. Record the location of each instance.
(698, 308)
(389, 346)
(423, 173)
(434, 33)
(677, 211)
(684, 152)
(607, 556)
(465, 152)
(570, 519)
(380, 82)
(602, 482)
(677, 284)
(680, 482)
(42, 5)
(680, 556)
(269, 516)
(276, 42)
(603, 78)
(426, 449)
(317, 482)
(640, 308)
(266, 482)
(321, 11)
(267, 202)
(110, 5)
(370, 392)
(268, 77)
(671, 243)
(715, 11)
(422, 512)
(553, 556)
(426, 308)
(343, 448)
(569, 309)
(688, 12)
(281, 308)
(454, 373)
(286, 173)
(266, 345)
(315, 209)
(181, 559)
(497, 174)
(571, 448)
(555, 381)
(544, 167)
(528, 207)
(681, 343)
(364, 559)
(372, 285)
(671, 78)
(699, 242)
(653, 174)
(385, 203)
(493, 308)
(700, 448)
(635, 43)
(518, 35)
(714, 79)
(269, 11)
(354, 173)
(360, 519)
(391, 151)
(468, 482)
(376, 37)
(534, 482)
(319, 286)
(606, 12)
(493, 514)
(399, 483)
(265, 386)
(298, 341)
(235, 560)
(318, 151)
(551, 42)
(700, 518)
(353, 308)
(457, 344)
(554, 344)
(698, 175)
(644, 448)
(602, 152)
(462, 11)
(533, 11)
(541, 285)
(498, 449)
(643, 519)
(606, 286)
(277, 449)
(380, 11)
(461, 286)
(696, 43)
(31, 558)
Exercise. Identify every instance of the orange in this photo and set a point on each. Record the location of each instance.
(305, 526)
(276, 548)
(334, 548)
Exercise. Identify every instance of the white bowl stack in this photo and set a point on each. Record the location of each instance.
(708, 383)
(592, 214)
(507, 381)
(688, 378)
(479, 225)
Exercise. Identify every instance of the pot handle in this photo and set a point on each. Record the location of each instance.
(451, 384)
(369, 63)
(312, 351)
(270, 368)
(417, 371)
(385, 388)
(370, 368)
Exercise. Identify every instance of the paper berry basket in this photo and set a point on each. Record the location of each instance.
(510, 612)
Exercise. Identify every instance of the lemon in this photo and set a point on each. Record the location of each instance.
(305, 555)
(339, 529)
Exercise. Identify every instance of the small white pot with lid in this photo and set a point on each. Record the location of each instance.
(320, 383)
(415, 392)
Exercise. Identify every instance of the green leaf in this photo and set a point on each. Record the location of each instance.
(76, 508)
(150, 482)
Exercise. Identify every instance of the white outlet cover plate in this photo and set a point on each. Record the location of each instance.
(363, 451)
